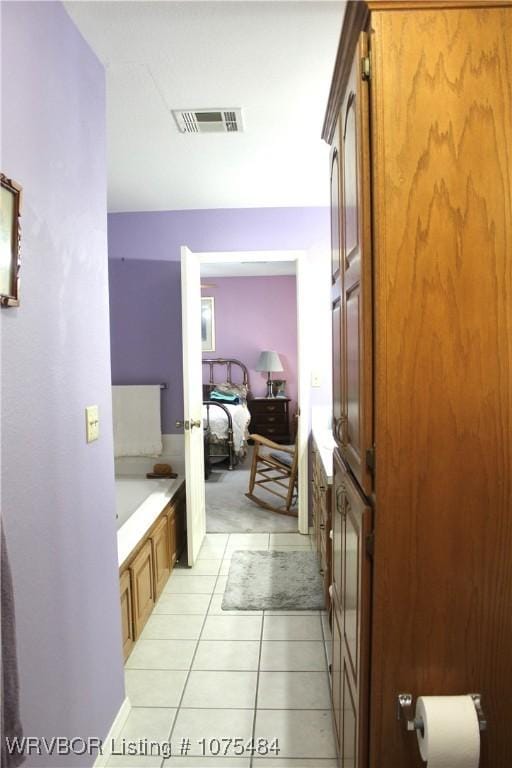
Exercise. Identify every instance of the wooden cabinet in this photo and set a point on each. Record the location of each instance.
(145, 572)
(321, 496)
(161, 554)
(143, 586)
(352, 518)
(419, 122)
(172, 533)
(127, 628)
(270, 418)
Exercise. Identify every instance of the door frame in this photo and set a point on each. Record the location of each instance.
(300, 258)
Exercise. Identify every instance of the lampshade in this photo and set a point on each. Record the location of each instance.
(269, 361)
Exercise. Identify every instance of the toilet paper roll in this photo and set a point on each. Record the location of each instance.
(451, 736)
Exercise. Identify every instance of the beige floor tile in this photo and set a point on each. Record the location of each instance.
(295, 656)
(182, 604)
(169, 627)
(181, 584)
(154, 688)
(153, 724)
(293, 690)
(300, 733)
(220, 690)
(162, 654)
(227, 654)
(211, 724)
(232, 628)
(280, 627)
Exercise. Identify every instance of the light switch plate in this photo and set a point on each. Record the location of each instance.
(92, 423)
(316, 379)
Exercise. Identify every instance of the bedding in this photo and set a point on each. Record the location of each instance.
(219, 423)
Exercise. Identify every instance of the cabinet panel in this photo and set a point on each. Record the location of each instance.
(161, 554)
(337, 529)
(127, 628)
(443, 232)
(173, 541)
(142, 577)
(337, 392)
(349, 756)
(356, 343)
(336, 679)
(335, 209)
(355, 518)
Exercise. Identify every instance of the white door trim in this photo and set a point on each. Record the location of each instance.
(300, 258)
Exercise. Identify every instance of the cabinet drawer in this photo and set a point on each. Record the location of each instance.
(268, 418)
(269, 407)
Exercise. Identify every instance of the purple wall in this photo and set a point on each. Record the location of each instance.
(145, 329)
(145, 289)
(58, 500)
(159, 235)
(253, 314)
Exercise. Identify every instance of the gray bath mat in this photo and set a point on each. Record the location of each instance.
(260, 581)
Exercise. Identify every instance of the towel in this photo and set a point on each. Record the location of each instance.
(11, 724)
(224, 397)
(137, 422)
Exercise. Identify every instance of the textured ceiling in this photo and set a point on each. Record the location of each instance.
(272, 59)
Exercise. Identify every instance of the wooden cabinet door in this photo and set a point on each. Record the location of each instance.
(336, 287)
(336, 679)
(356, 344)
(354, 571)
(161, 554)
(338, 501)
(142, 577)
(127, 629)
(171, 531)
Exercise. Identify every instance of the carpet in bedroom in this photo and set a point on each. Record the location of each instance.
(228, 510)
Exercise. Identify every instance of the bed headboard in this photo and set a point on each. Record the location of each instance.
(226, 364)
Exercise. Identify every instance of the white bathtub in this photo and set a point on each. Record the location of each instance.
(139, 501)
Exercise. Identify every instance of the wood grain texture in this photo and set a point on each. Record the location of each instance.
(356, 18)
(357, 311)
(442, 144)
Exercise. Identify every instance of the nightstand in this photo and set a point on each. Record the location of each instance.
(270, 418)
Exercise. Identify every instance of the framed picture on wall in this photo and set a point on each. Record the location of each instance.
(208, 323)
(10, 207)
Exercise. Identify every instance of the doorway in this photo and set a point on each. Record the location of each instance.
(192, 264)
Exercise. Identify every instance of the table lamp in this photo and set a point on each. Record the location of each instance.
(269, 361)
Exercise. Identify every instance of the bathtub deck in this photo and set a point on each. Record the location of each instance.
(142, 502)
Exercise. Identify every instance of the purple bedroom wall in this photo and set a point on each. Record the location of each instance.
(58, 497)
(145, 288)
(253, 314)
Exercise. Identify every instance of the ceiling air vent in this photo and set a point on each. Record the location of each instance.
(208, 120)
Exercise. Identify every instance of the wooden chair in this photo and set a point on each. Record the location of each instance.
(274, 470)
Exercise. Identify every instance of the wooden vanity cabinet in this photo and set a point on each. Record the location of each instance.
(127, 628)
(143, 586)
(172, 534)
(145, 572)
(161, 554)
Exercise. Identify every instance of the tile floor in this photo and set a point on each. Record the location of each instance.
(198, 672)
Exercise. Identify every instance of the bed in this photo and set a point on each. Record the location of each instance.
(225, 424)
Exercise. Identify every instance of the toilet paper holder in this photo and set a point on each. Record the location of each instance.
(405, 712)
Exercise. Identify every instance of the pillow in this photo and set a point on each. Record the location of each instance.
(240, 390)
